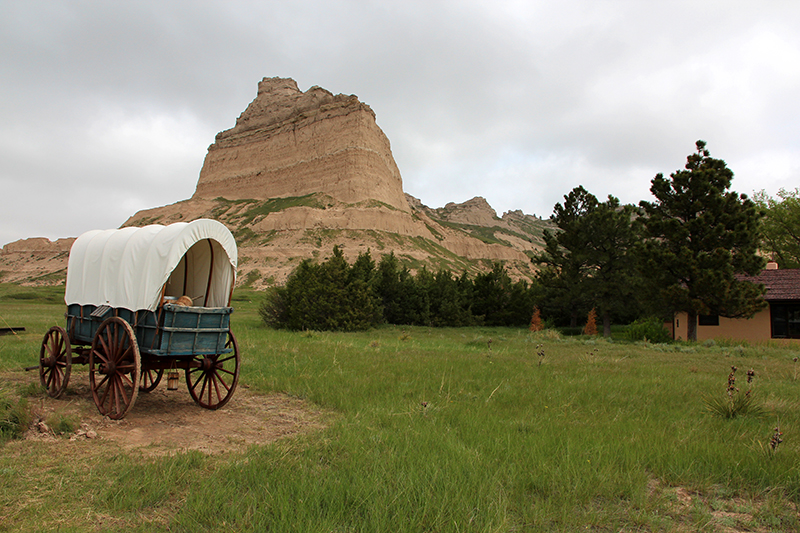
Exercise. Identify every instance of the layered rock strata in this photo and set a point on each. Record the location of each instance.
(292, 143)
(301, 172)
(36, 261)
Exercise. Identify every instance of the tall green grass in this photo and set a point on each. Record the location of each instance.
(442, 430)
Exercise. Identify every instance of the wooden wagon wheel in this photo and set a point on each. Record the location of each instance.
(213, 378)
(114, 368)
(55, 361)
(151, 377)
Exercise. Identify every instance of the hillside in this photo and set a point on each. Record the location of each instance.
(301, 172)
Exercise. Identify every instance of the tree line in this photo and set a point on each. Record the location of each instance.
(686, 250)
(334, 295)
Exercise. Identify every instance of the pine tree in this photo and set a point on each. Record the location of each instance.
(589, 259)
(612, 279)
(327, 296)
(565, 264)
(700, 236)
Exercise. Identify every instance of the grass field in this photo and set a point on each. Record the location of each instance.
(476, 429)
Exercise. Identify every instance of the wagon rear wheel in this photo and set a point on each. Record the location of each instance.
(114, 368)
(151, 377)
(55, 361)
(213, 378)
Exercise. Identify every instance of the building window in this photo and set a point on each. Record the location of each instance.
(785, 318)
(708, 320)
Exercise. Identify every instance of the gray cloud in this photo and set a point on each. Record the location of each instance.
(109, 107)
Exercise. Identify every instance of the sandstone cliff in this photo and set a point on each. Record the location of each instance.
(293, 143)
(35, 261)
(301, 172)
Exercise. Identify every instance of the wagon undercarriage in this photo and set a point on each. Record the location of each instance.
(119, 371)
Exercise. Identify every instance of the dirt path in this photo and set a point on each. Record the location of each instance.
(163, 422)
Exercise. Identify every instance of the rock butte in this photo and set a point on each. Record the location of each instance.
(293, 143)
(301, 172)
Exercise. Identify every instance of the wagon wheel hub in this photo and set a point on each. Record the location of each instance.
(108, 368)
(208, 363)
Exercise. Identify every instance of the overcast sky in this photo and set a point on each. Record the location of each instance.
(109, 107)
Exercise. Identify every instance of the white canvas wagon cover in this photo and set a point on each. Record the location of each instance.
(130, 267)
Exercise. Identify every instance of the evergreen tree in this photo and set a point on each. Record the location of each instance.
(587, 264)
(328, 296)
(398, 292)
(700, 236)
(449, 305)
(612, 278)
(292, 306)
(490, 294)
(363, 269)
(419, 305)
(389, 288)
(520, 305)
(498, 301)
(565, 259)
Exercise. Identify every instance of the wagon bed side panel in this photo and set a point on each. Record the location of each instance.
(172, 331)
(194, 330)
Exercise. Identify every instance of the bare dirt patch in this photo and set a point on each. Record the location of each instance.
(164, 422)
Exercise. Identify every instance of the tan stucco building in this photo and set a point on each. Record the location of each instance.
(780, 320)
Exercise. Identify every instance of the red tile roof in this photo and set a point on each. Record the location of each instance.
(780, 284)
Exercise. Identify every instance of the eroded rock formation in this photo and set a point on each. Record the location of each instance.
(35, 261)
(301, 172)
(292, 143)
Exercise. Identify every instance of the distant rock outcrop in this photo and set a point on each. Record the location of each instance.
(35, 261)
(301, 172)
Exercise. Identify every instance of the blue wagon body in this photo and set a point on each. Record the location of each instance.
(172, 330)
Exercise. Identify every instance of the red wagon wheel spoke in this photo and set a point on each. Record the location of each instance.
(206, 371)
(100, 356)
(220, 362)
(230, 373)
(218, 379)
(103, 349)
(114, 368)
(51, 378)
(55, 361)
(119, 393)
(150, 379)
(105, 391)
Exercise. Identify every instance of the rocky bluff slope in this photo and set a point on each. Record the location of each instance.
(301, 172)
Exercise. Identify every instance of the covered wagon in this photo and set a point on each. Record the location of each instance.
(142, 301)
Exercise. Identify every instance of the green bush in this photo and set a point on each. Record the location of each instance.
(331, 296)
(651, 329)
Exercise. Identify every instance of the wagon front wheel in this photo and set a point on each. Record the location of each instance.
(211, 379)
(55, 361)
(114, 368)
